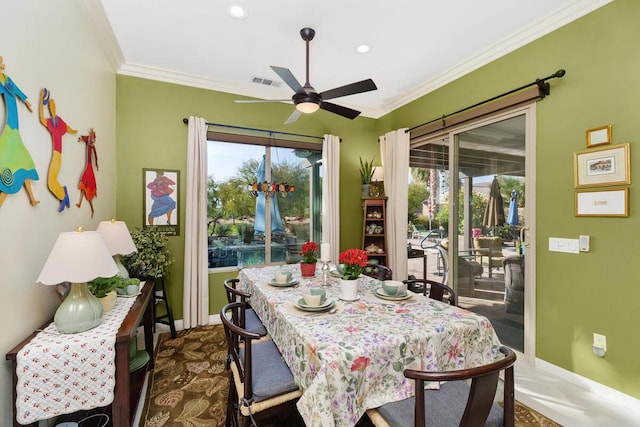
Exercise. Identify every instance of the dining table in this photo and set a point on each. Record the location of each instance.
(351, 356)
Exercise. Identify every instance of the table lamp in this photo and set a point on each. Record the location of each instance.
(119, 242)
(78, 257)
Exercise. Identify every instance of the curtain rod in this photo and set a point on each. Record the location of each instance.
(185, 121)
(541, 83)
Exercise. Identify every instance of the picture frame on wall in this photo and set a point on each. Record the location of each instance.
(161, 200)
(599, 136)
(609, 203)
(605, 166)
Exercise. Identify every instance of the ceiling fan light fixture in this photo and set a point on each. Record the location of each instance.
(307, 107)
(237, 12)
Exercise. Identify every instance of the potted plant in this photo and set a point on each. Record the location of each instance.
(366, 175)
(309, 254)
(152, 257)
(104, 289)
(352, 264)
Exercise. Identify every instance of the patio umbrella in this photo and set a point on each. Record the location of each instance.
(512, 216)
(276, 219)
(494, 212)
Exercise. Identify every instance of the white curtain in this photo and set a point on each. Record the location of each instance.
(331, 194)
(195, 304)
(394, 150)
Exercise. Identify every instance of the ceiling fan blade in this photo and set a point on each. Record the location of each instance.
(293, 117)
(251, 101)
(288, 77)
(350, 89)
(340, 110)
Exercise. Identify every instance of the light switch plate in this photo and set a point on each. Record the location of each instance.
(600, 341)
(557, 244)
(584, 243)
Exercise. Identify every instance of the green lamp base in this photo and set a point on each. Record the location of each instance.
(79, 312)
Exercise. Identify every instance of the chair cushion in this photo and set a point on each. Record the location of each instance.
(444, 408)
(271, 375)
(253, 323)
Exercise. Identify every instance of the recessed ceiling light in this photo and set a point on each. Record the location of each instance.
(363, 48)
(237, 12)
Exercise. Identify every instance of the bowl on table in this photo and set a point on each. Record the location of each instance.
(282, 277)
(314, 297)
(394, 288)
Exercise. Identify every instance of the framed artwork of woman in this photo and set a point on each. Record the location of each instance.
(161, 201)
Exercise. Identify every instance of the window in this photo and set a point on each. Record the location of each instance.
(240, 232)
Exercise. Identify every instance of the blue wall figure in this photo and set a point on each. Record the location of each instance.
(276, 219)
(16, 165)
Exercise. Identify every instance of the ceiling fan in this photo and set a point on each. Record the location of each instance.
(306, 99)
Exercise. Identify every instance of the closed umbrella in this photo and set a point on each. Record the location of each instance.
(512, 216)
(276, 219)
(494, 212)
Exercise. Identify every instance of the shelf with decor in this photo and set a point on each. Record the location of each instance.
(374, 228)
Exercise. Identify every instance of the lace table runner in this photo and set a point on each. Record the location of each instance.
(64, 373)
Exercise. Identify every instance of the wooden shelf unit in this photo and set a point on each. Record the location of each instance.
(371, 208)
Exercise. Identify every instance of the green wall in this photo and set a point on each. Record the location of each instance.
(151, 134)
(576, 295)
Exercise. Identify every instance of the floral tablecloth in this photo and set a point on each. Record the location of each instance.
(352, 360)
(64, 373)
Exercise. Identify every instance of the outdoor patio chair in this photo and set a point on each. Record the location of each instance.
(467, 271)
(261, 385)
(514, 284)
(418, 231)
(456, 403)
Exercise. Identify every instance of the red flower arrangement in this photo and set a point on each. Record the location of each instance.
(354, 261)
(309, 252)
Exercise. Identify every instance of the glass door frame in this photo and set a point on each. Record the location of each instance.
(529, 111)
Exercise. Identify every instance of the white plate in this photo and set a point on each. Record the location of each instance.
(129, 296)
(335, 273)
(327, 305)
(380, 294)
(348, 300)
(292, 282)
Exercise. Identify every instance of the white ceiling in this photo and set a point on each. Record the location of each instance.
(416, 45)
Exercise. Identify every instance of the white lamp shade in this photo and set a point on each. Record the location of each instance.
(78, 257)
(117, 237)
(378, 174)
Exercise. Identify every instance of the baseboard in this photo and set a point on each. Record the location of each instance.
(601, 391)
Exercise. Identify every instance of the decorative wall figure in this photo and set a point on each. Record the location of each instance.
(87, 185)
(57, 127)
(163, 204)
(16, 165)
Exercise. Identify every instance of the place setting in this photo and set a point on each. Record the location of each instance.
(314, 300)
(283, 279)
(392, 290)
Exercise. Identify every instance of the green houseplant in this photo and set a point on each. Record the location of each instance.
(104, 289)
(152, 257)
(366, 175)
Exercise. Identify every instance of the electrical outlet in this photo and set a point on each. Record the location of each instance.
(600, 341)
(584, 243)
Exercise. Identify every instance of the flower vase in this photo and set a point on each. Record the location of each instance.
(349, 289)
(307, 269)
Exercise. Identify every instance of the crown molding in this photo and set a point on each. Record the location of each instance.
(102, 29)
(558, 19)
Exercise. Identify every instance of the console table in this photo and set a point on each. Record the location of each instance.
(123, 405)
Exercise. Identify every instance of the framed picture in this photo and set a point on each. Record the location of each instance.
(602, 166)
(161, 199)
(599, 136)
(613, 202)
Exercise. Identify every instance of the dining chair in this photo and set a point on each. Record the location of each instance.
(432, 289)
(378, 271)
(250, 320)
(456, 403)
(261, 385)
